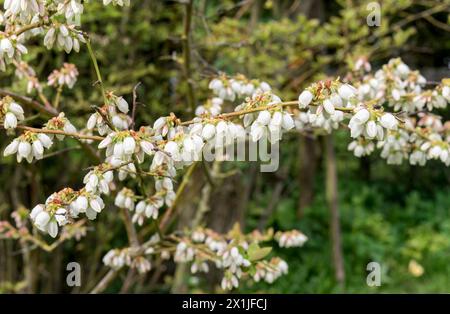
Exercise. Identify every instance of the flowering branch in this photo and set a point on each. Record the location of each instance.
(71, 134)
(29, 102)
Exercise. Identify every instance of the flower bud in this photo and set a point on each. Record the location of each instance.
(388, 121)
(346, 91)
(305, 99)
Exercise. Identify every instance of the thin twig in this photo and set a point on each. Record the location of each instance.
(97, 70)
(105, 118)
(133, 110)
(104, 282)
(30, 27)
(59, 152)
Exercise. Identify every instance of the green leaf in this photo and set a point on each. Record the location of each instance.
(256, 253)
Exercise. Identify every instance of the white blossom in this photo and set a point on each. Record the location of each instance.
(11, 113)
(292, 238)
(125, 199)
(304, 99)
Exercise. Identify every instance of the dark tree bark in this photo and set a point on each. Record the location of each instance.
(308, 166)
(333, 204)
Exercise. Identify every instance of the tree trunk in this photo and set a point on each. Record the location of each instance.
(332, 200)
(308, 166)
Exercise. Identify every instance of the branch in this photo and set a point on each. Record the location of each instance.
(131, 231)
(75, 135)
(49, 111)
(437, 23)
(30, 27)
(242, 112)
(104, 282)
(97, 70)
(133, 110)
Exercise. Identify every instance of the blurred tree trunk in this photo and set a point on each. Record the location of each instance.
(229, 206)
(333, 204)
(308, 165)
(308, 146)
(312, 9)
(280, 178)
(255, 13)
(187, 207)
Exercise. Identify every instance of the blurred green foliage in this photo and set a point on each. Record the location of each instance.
(383, 220)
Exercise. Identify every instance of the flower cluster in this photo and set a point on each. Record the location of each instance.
(115, 111)
(271, 270)
(98, 179)
(230, 252)
(401, 88)
(123, 145)
(62, 207)
(435, 148)
(234, 254)
(147, 208)
(184, 252)
(47, 217)
(10, 50)
(117, 258)
(236, 87)
(393, 147)
(293, 238)
(88, 203)
(233, 260)
(269, 123)
(371, 124)
(125, 199)
(361, 147)
(212, 107)
(185, 148)
(64, 37)
(10, 112)
(25, 71)
(309, 120)
(60, 123)
(67, 75)
(325, 102)
(22, 8)
(29, 146)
